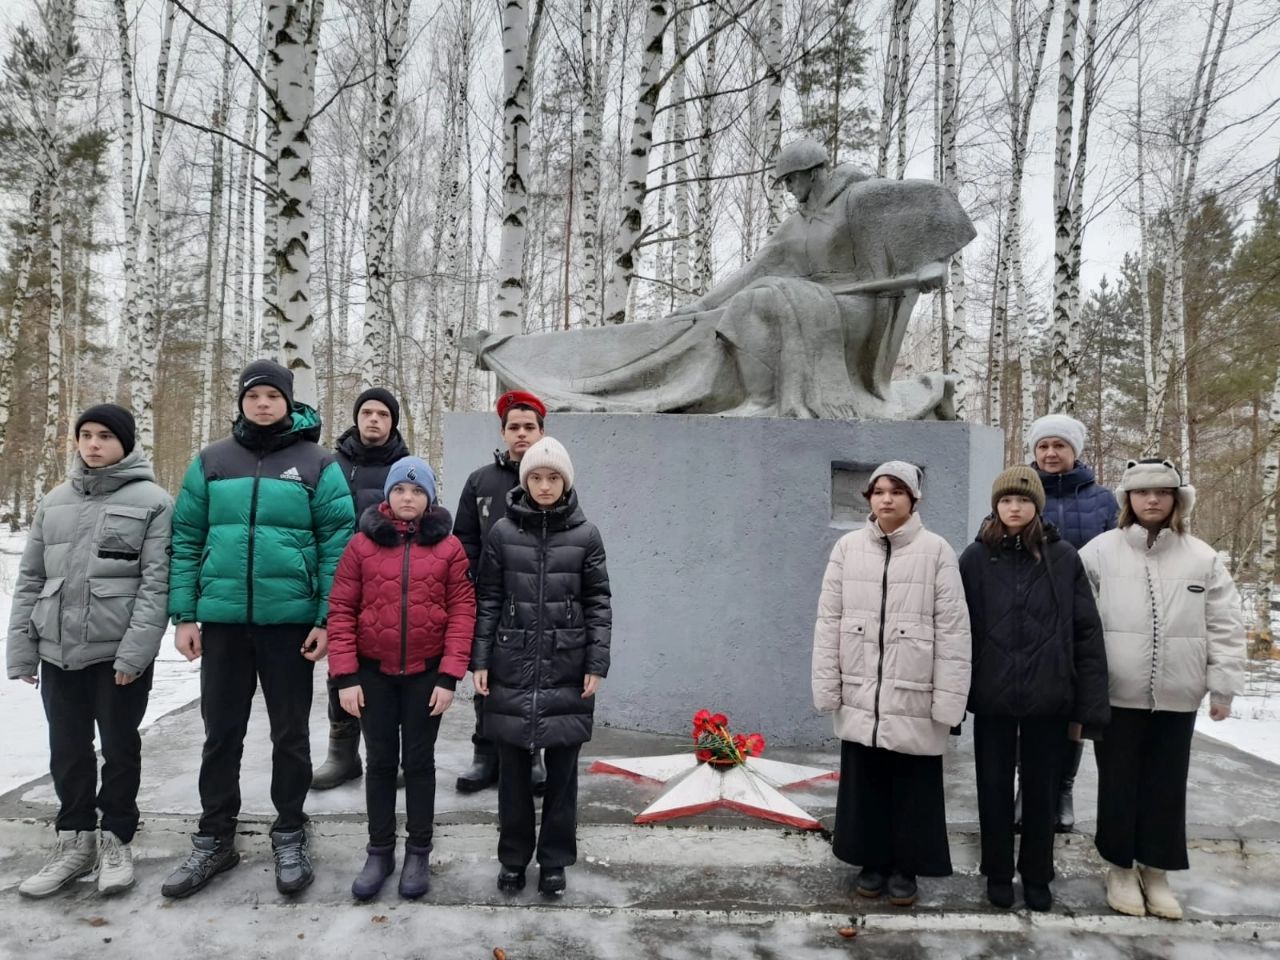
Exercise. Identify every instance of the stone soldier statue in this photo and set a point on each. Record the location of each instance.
(811, 327)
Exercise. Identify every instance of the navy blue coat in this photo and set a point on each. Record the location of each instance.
(1077, 505)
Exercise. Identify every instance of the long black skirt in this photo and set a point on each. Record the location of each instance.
(1144, 758)
(891, 812)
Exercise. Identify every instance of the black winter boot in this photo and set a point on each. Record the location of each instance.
(415, 876)
(511, 879)
(1066, 819)
(538, 775)
(482, 773)
(902, 889)
(551, 881)
(343, 762)
(870, 882)
(380, 864)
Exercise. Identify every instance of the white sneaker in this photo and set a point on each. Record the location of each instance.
(115, 864)
(1160, 899)
(1124, 894)
(73, 856)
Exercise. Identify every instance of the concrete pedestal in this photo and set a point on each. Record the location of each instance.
(718, 530)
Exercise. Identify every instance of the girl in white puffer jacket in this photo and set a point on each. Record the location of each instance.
(1170, 616)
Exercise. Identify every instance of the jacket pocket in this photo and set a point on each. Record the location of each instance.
(910, 699)
(912, 653)
(853, 632)
(122, 533)
(46, 615)
(111, 608)
(507, 656)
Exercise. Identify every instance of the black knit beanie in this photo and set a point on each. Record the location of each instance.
(116, 419)
(266, 373)
(382, 395)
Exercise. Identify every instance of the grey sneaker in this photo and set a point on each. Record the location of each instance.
(115, 864)
(73, 856)
(209, 857)
(293, 863)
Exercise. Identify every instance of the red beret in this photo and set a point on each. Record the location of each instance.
(514, 398)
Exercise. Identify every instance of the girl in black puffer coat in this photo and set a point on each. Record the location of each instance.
(541, 649)
(1039, 675)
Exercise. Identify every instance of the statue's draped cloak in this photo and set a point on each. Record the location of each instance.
(820, 353)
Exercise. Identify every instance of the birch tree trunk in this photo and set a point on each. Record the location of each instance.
(589, 174)
(128, 203)
(59, 23)
(1151, 376)
(1021, 104)
(631, 231)
(888, 99)
(519, 56)
(143, 360)
(772, 110)
(1062, 397)
(681, 146)
(1190, 139)
(13, 329)
(215, 258)
(294, 28)
(904, 82)
(1268, 562)
(956, 362)
(703, 262)
(391, 31)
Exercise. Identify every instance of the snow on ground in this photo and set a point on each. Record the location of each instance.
(26, 740)
(1254, 724)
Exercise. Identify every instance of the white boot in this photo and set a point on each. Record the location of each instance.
(115, 864)
(1160, 899)
(73, 856)
(1124, 894)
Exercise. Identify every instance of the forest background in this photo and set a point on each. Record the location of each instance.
(357, 186)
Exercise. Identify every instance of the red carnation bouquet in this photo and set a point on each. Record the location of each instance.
(715, 744)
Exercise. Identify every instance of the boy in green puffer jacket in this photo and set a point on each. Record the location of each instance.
(260, 523)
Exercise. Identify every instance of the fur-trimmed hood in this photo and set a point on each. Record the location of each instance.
(382, 528)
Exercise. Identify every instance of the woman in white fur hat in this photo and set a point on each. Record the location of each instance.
(1170, 616)
(891, 655)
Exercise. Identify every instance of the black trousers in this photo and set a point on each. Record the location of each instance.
(995, 748)
(74, 701)
(399, 729)
(557, 841)
(891, 812)
(342, 725)
(484, 746)
(237, 656)
(1143, 761)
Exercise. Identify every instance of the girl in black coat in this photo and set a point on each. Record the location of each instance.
(541, 650)
(1039, 675)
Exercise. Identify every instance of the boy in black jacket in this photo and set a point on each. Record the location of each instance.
(541, 650)
(482, 504)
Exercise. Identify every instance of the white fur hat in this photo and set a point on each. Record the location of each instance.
(908, 473)
(1156, 474)
(1057, 425)
(550, 454)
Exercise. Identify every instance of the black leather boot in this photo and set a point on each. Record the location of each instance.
(1066, 819)
(482, 773)
(343, 760)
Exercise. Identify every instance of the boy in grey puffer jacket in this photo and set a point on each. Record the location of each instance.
(88, 613)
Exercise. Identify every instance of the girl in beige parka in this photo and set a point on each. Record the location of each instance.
(891, 663)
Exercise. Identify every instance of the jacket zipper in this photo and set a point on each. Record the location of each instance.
(253, 533)
(884, 603)
(537, 650)
(1155, 633)
(404, 604)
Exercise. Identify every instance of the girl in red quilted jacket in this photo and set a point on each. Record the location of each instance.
(401, 616)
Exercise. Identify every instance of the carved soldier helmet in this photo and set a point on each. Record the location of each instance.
(799, 155)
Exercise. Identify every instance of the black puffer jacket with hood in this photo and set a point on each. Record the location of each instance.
(543, 622)
(1038, 649)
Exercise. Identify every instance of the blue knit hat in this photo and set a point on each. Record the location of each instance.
(411, 470)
